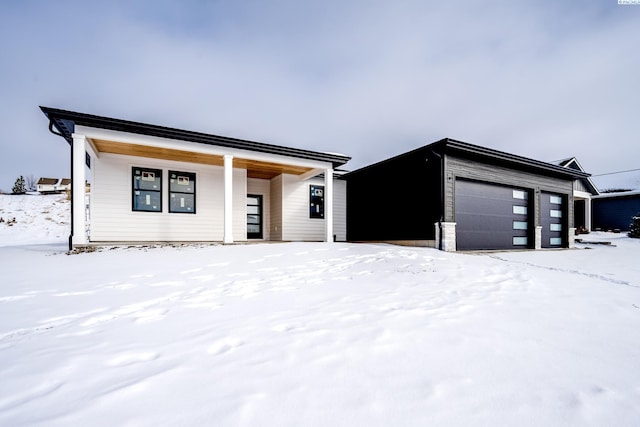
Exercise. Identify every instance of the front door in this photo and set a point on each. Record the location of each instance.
(254, 216)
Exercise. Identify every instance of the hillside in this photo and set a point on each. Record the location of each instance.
(313, 334)
(38, 219)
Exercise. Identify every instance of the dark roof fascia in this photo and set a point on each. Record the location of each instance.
(65, 122)
(424, 149)
(452, 146)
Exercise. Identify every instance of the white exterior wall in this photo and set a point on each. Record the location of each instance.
(112, 217)
(296, 223)
(340, 210)
(275, 208)
(262, 187)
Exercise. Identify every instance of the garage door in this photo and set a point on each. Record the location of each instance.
(490, 216)
(553, 218)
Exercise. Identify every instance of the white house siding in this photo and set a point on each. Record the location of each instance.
(275, 208)
(239, 205)
(340, 210)
(296, 224)
(112, 218)
(262, 187)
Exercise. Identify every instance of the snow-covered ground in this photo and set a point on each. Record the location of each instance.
(314, 334)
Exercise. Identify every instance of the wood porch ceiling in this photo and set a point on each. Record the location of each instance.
(255, 169)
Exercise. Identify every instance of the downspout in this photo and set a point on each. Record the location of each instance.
(72, 198)
(441, 196)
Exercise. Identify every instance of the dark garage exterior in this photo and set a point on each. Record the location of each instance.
(458, 196)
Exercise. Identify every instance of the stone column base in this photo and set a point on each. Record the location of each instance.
(572, 238)
(446, 242)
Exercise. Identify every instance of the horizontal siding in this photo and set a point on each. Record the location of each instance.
(340, 210)
(456, 167)
(275, 208)
(262, 187)
(112, 218)
(295, 210)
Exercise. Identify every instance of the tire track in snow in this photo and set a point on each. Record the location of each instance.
(570, 271)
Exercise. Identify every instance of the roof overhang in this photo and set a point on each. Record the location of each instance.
(452, 146)
(290, 160)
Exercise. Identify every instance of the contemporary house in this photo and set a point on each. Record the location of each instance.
(583, 190)
(152, 183)
(615, 211)
(457, 196)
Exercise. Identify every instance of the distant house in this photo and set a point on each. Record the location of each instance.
(64, 185)
(457, 196)
(583, 191)
(53, 185)
(47, 185)
(614, 211)
(152, 183)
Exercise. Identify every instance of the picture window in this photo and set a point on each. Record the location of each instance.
(182, 192)
(146, 190)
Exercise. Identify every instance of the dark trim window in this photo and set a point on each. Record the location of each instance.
(182, 192)
(316, 201)
(146, 190)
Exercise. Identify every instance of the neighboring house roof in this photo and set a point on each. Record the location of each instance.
(65, 122)
(620, 194)
(65, 181)
(572, 163)
(47, 181)
(487, 155)
(628, 180)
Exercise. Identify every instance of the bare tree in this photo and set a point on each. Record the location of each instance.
(30, 182)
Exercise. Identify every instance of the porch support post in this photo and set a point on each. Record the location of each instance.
(587, 213)
(328, 204)
(228, 199)
(78, 191)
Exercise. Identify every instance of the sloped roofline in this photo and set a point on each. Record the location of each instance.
(65, 122)
(453, 146)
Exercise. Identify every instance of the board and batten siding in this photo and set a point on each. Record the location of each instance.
(262, 187)
(112, 217)
(456, 167)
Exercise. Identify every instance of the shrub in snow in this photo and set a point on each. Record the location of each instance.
(634, 227)
(19, 187)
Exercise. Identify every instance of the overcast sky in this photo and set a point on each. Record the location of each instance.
(370, 79)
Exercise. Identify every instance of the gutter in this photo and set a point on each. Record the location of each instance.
(51, 123)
